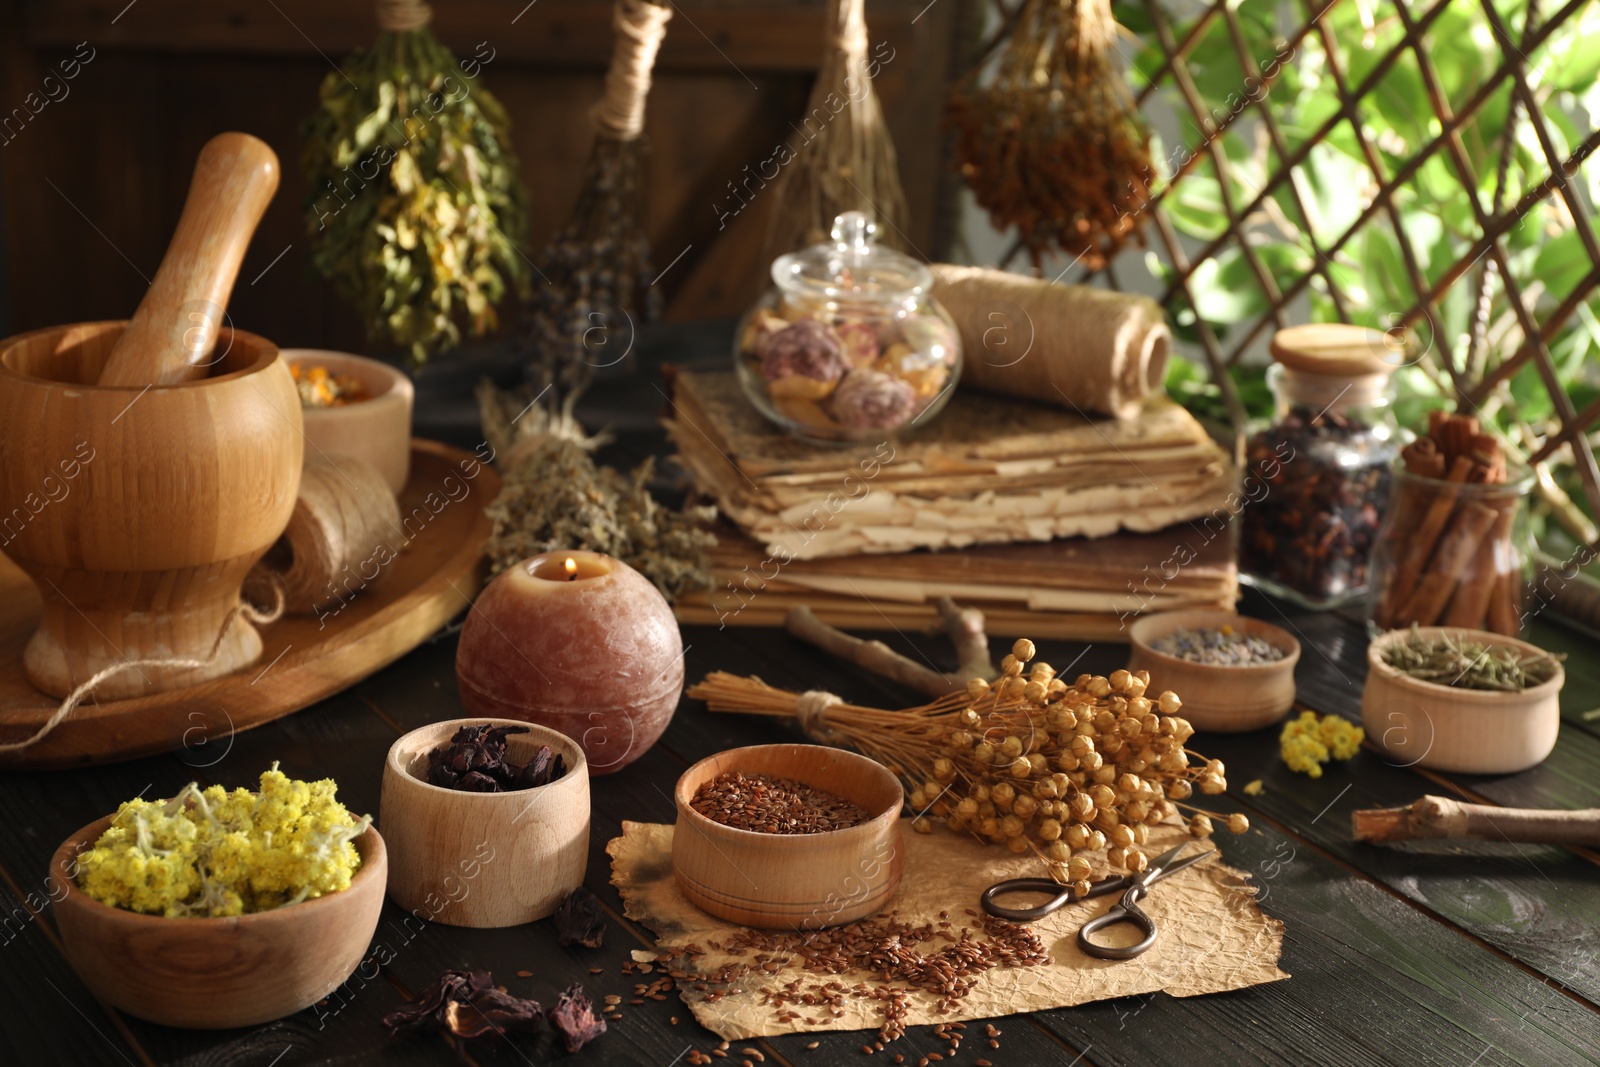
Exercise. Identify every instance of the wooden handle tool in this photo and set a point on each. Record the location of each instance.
(172, 335)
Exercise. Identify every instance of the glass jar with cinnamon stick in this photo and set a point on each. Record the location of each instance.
(1316, 479)
(1454, 549)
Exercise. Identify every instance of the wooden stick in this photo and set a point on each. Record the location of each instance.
(1442, 817)
(964, 627)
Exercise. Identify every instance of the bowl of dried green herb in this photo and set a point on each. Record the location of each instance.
(1235, 673)
(1461, 700)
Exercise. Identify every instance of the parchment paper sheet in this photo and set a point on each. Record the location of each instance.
(1213, 936)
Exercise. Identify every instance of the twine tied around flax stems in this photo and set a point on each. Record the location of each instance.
(243, 609)
(811, 708)
(640, 28)
(398, 16)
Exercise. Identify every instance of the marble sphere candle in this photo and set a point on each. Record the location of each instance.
(579, 642)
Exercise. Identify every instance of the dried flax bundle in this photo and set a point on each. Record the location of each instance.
(1028, 761)
(596, 275)
(846, 161)
(1052, 144)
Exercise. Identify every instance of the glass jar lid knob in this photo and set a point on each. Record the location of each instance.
(853, 233)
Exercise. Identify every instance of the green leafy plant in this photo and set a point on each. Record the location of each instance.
(1476, 326)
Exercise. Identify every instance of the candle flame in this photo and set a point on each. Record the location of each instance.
(572, 568)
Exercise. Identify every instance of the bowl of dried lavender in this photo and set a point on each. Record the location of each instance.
(487, 821)
(1461, 700)
(788, 837)
(1235, 673)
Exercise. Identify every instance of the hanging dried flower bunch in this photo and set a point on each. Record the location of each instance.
(843, 158)
(1028, 761)
(1052, 145)
(416, 211)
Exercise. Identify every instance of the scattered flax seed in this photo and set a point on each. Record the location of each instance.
(982, 1063)
(524, 974)
(674, 1020)
(754, 1054)
(597, 970)
(811, 1047)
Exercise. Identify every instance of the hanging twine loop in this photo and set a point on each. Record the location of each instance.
(242, 610)
(812, 710)
(398, 16)
(640, 26)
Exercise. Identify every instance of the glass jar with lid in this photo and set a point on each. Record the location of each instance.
(1316, 478)
(848, 345)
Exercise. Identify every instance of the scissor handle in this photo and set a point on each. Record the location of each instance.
(1059, 895)
(1126, 910)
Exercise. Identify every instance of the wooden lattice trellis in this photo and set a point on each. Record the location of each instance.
(1475, 374)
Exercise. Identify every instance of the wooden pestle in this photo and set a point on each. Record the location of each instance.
(175, 328)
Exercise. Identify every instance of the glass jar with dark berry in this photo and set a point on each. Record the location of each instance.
(1316, 478)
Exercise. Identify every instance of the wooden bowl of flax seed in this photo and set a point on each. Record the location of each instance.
(788, 837)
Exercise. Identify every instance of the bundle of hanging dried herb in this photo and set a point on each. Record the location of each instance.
(415, 212)
(1052, 144)
(555, 497)
(595, 279)
(1455, 660)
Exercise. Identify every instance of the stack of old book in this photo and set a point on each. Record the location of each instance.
(1055, 524)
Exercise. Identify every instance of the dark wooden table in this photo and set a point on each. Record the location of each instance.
(1448, 954)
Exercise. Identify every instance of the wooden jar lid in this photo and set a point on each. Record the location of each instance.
(1339, 350)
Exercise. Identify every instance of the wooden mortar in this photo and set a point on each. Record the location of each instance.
(137, 511)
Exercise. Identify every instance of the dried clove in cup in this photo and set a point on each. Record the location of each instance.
(574, 1019)
(466, 1004)
(475, 762)
(580, 920)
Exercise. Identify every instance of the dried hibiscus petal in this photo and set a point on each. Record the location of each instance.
(580, 919)
(574, 1019)
(475, 761)
(466, 1004)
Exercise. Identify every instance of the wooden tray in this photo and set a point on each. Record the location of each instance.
(304, 659)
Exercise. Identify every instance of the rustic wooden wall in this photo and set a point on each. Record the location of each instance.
(92, 184)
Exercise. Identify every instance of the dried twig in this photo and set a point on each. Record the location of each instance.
(1442, 817)
(964, 627)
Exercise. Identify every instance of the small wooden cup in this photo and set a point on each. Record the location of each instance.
(1467, 731)
(211, 974)
(1218, 699)
(792, 881)
(484, 859)
(376, 429)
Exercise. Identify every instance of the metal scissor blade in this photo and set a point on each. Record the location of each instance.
(1165, 869)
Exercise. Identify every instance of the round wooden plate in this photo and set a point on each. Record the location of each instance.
(438, 568)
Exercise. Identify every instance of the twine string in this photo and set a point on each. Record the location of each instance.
(398, 16)
(242, 610)
(811, 708)
(640, 26)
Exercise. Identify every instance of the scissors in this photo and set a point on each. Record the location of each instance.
(1132, 887)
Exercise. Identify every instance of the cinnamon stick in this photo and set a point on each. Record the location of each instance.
(1456, 550)
(1470, 604)
(1408, 572)
(1442, 817)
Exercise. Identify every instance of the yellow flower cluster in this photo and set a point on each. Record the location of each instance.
(1308, 742)
(210, 852)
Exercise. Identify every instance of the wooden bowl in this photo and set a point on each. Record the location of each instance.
(1470, 731)
(1215, 698)
(138, 511)
(484, 859)
(377, 429)
(210, 974)
(792, 881)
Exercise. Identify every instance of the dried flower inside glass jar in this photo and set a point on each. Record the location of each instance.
(848, 345)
